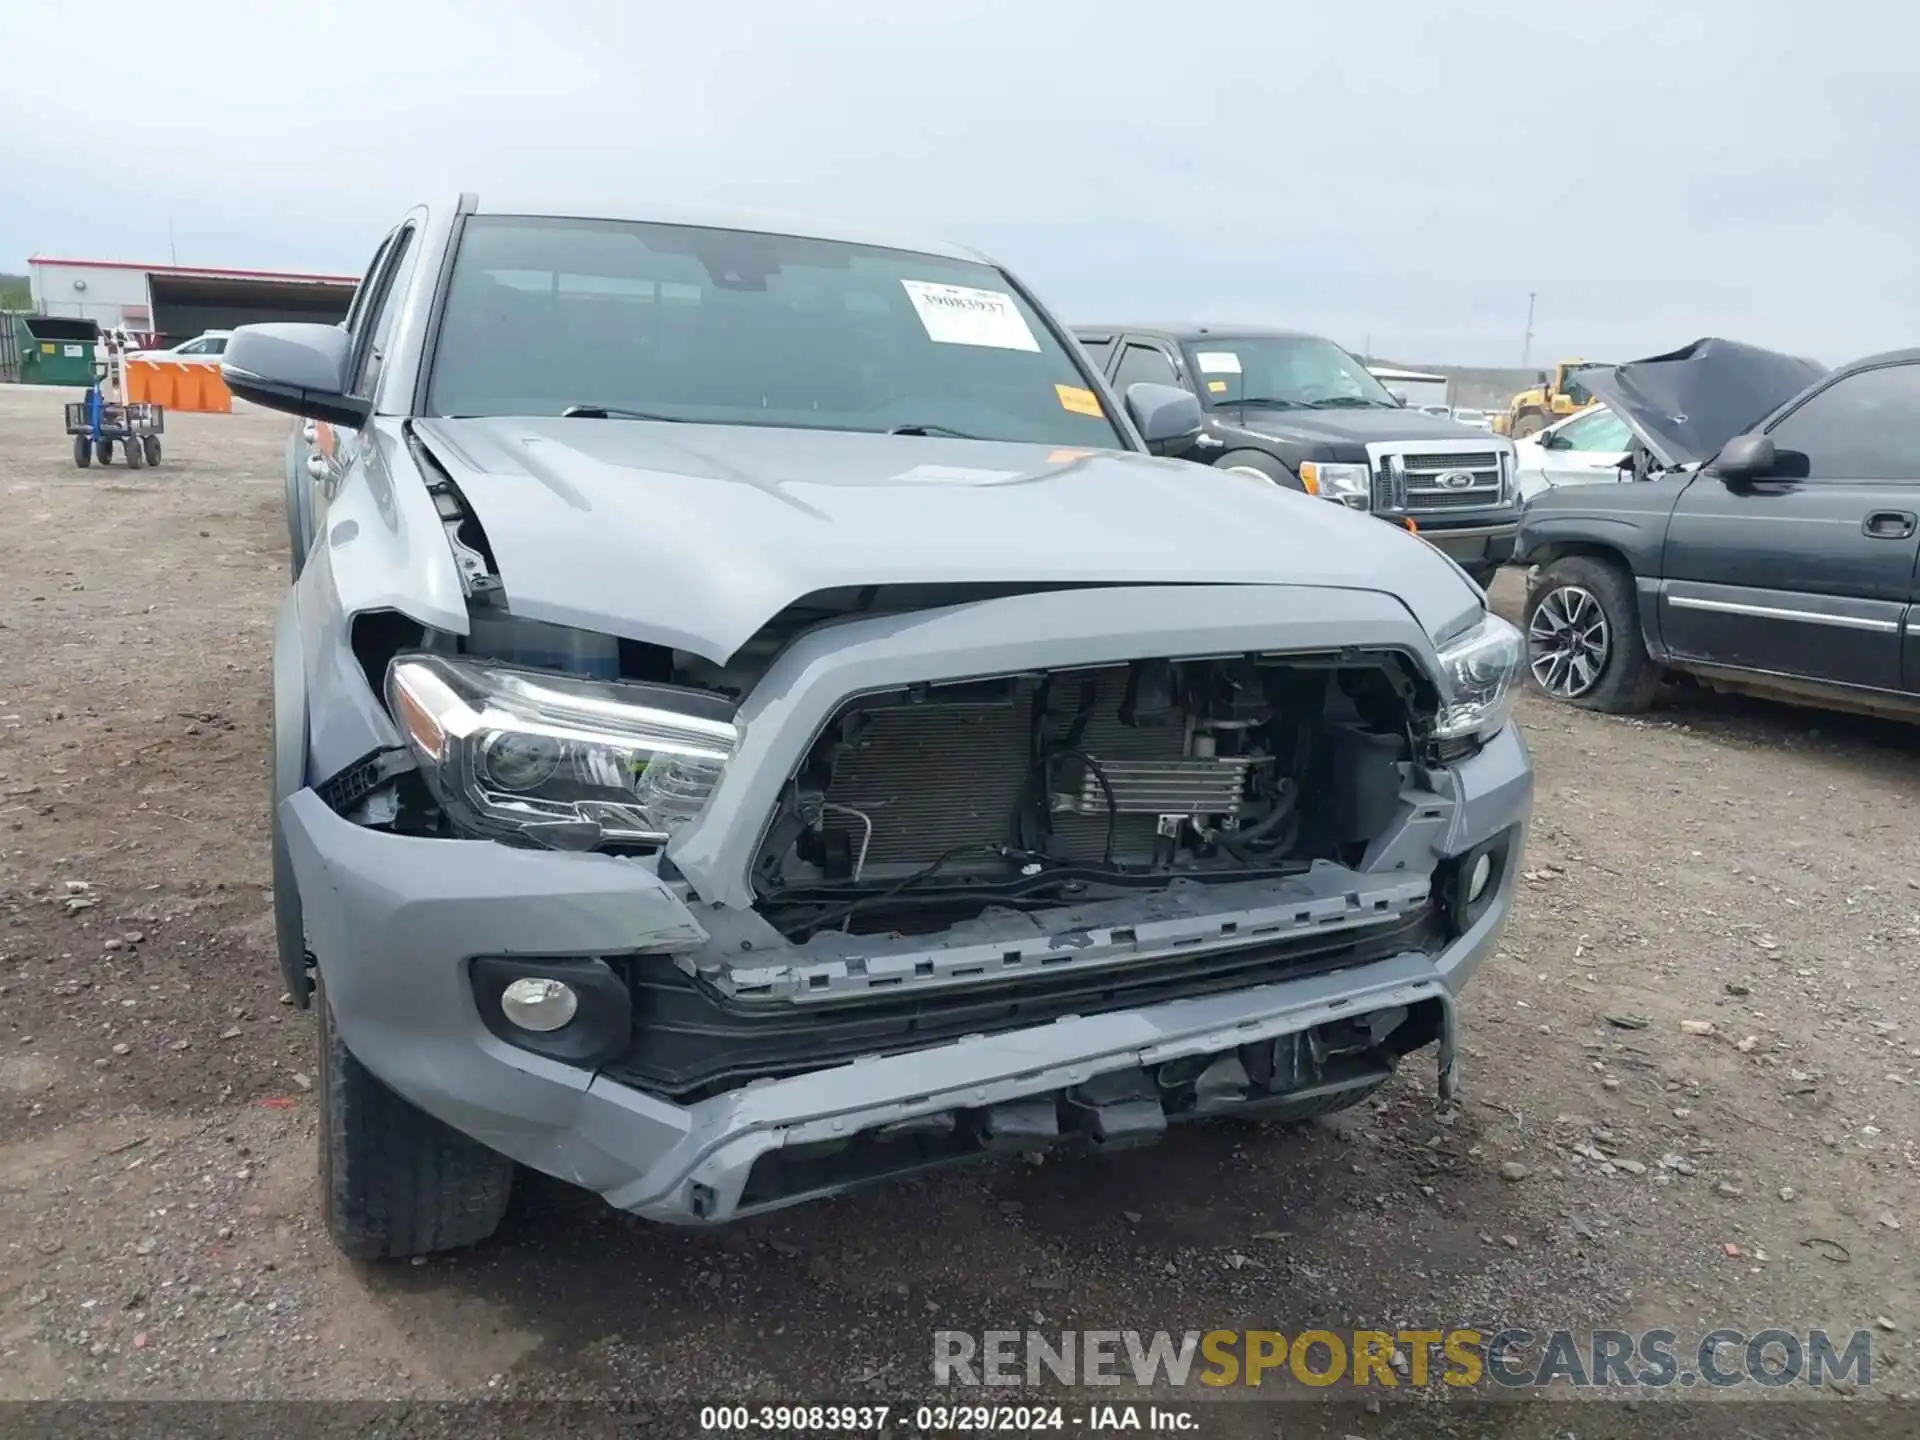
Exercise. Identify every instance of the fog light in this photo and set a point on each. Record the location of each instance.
(539, 1004)
(1476, 882)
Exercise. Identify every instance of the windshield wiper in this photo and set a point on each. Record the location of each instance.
(1270, 402)
(918, 429)
(614, 412)
(1350, 402)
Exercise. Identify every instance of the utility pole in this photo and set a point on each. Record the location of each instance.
(1367, 354)
(173, 255)
(1526, 344)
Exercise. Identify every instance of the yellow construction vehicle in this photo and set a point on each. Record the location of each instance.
(1555, 398)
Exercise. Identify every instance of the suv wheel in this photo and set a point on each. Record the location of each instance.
(1584, 645)
(394, 1181)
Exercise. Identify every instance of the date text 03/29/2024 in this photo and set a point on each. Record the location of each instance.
(861, 1420)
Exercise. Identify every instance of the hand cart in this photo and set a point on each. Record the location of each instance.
(95, 423)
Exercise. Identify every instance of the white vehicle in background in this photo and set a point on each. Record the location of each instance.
(1479, 419)
(1584, 449)
(208, 346)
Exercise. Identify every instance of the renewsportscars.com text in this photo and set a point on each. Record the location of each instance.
(1512, 1357)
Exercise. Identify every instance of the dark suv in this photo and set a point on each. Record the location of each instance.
(1300, 411)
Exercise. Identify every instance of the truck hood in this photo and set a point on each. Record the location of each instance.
(1350, 427)
(695, 536)
(1686, 404)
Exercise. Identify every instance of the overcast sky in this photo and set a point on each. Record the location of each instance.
(1405, 170)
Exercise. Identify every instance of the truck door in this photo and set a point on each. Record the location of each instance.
(1807, 571)
(1144, 360)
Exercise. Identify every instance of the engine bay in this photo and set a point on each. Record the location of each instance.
(918, 808)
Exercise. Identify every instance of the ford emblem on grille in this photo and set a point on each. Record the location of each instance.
(1454, 480)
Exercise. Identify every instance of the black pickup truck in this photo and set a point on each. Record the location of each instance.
(1300, 411)
(1769, 545)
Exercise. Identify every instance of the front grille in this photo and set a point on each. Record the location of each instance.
(1408, 484)
(1471, 460)
(1423, 501)
(690, 1043)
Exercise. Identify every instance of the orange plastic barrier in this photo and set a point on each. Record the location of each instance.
(178, 385)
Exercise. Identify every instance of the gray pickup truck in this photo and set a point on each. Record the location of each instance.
(755, 717)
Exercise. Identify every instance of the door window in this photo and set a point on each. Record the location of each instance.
(1602, 431)
(1098, 351)
(390, 293)
(1144, 365)
(1863, 427)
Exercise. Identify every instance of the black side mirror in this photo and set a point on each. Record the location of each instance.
(1167, 416)
(1745, 457)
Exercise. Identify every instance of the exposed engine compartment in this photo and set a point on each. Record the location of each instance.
(920, 807)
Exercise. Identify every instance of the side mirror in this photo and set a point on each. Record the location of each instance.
(1399, 397)
(1548, 441)
(299, 369)
(1167, 417)
(1745, 457)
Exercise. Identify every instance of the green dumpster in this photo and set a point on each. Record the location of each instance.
(55, 349)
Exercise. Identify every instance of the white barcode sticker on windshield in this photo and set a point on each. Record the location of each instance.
(1218, 362)
(960, 315)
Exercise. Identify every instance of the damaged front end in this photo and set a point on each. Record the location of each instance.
(849, 903)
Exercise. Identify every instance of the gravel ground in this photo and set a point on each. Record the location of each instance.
(1746, 868)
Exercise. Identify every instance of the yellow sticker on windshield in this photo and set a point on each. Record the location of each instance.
(1079, 401)
(1216, 387)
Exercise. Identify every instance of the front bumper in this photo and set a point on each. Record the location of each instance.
(395, 923)
(1482, 541)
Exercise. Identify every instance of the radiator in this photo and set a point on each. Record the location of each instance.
(933, 777)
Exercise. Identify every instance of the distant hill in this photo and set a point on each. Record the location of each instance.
(15, 293)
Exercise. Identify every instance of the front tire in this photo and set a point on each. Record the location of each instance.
(1584, 645)
(394, 1181)
(82, 451)
(1531, 423)
(103, 452)
(152, 446)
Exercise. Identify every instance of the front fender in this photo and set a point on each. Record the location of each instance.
(299, 503)
(287, 775)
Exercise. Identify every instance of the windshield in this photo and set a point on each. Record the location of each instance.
(733, 327)
(1284, 371)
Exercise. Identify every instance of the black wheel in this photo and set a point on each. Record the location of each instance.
(394, 1181)
(1531, 423)
(103, 451)
(136, 453)
(1584, 645)
(82, 451)
(151, 444)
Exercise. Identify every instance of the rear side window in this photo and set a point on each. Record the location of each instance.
(1098, 351)
(1863, 427)
(1144, 364)
(732, 327)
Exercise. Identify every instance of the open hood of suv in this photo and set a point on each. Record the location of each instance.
(1686, 404)
(695, 536)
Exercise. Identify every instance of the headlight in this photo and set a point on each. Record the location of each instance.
(564, 762)
(1351, 485)
(1478, 672)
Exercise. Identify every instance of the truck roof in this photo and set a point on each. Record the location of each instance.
(764, 222)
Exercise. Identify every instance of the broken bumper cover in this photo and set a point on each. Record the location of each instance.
(396, 923)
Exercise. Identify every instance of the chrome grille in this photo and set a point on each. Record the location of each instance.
(1467, 460)
(1408, 483)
